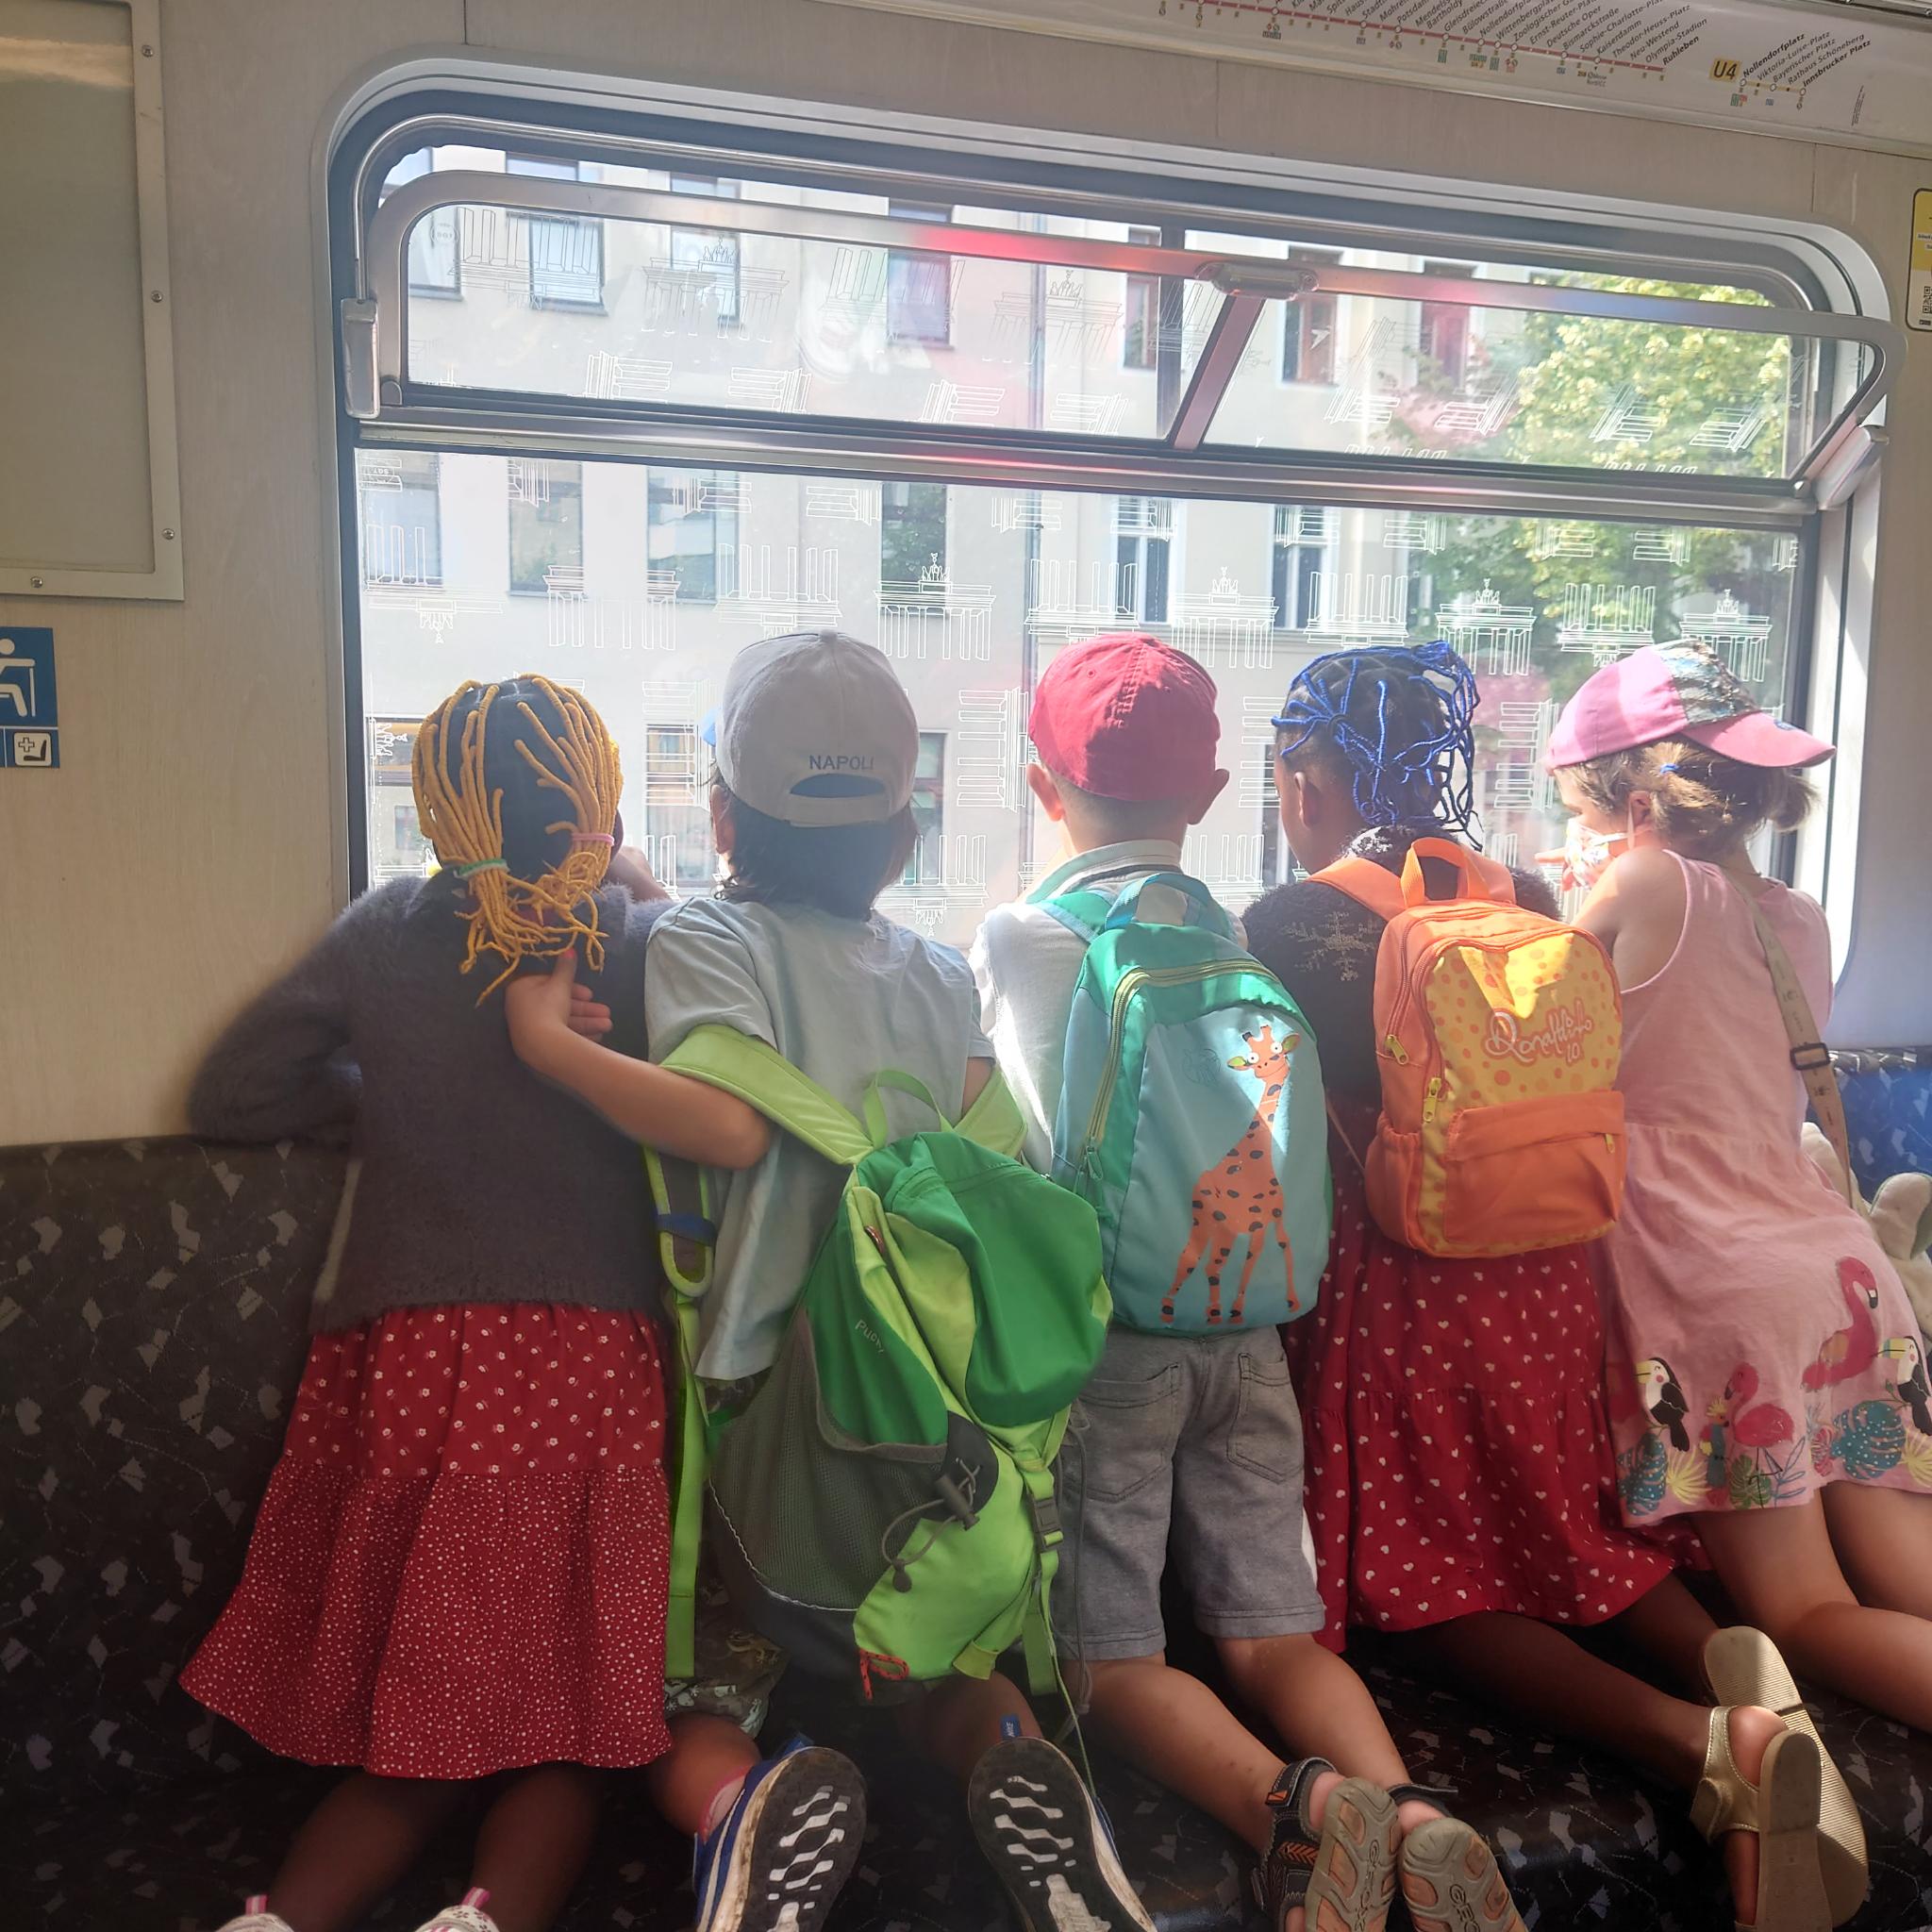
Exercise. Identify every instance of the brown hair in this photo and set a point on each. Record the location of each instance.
(838, 869)
(1705, 805)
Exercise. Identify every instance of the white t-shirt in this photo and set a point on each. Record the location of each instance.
(841, 999)
(1027, 965)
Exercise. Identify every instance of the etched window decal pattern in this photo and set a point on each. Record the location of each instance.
(646, 625)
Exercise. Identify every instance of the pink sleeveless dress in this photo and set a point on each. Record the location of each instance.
(1760, 1346)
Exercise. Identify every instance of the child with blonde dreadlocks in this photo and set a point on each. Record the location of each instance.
(458, 1580)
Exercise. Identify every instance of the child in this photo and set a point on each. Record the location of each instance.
(1192, 1442)
(459, 1568)
(1763, 1348)
(1462, 1481)
(812, 811)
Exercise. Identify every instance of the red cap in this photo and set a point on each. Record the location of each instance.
(1127, 717)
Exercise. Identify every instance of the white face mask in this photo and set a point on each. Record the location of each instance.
(1587, 856)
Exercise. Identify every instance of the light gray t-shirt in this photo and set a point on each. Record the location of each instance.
(840, 999)
(1028, 964)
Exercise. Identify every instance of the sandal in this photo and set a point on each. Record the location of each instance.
(1343, 1874)
(1782, 1809)
(1742, 1666)
(1451, 1881)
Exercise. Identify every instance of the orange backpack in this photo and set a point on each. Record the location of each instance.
(1497, 1033)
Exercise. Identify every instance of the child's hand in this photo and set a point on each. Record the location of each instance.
(538, 1006)
(589, 1015)
(630, 870)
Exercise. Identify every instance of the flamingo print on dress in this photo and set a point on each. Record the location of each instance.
(1853, 1348)
(1240, 1196)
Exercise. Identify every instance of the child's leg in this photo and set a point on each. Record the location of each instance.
(1884, 1543)
(1546, 1676)
(697, 1781)
(956, 1723)
(357, 1844)
(1783, 1575)
(1171, 1726)
(534, 1842)
(1668, 1624)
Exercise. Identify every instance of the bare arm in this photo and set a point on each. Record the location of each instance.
(1637, 911)
(977, 1073)
(654, 1106)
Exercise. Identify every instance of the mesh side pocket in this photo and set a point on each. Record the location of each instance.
(808, 1508)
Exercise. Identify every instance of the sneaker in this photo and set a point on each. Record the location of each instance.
(1048, 1843)
(469, 1916)
(786, 1847)
(255, 1917)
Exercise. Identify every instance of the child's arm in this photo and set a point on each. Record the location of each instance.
(281, 1069)
(1636, 909)
(669, 1112)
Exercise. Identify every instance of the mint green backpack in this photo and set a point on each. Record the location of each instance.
(883, 1506)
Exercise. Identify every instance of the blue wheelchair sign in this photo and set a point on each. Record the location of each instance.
(29, 701)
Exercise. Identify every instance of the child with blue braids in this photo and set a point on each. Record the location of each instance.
(1460, 1479)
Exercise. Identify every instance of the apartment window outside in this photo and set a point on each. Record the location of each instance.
(1443, 331)
(1144, 541)
(678, 818)
(692, 540)
(402, 517)
(546, 525)
(1307, 327)
(566, 254)
(927, 865)
(912, 535)
(1301, 549)
(919, 287)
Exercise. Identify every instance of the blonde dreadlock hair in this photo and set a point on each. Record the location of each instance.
(542, 904)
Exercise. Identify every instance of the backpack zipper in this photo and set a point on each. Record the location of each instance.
(1129, 983)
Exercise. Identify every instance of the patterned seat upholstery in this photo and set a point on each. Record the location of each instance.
(152, 1307)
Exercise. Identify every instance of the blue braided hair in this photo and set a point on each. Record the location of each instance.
(1401, 717)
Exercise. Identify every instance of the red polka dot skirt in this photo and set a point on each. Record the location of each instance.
(461, 1564)
(1458, 1449)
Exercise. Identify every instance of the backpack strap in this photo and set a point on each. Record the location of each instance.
(1477, 877)
(762, 1077)
(1368, 884)
(1200, 906)
(1810, 1054)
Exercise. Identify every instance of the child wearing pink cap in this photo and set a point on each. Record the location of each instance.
(1767, 1385)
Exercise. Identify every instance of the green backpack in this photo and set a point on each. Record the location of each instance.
(883, 1506)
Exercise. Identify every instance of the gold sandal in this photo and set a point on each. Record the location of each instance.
(1742, 1666)
(1451, 1881)
(1781, 1809)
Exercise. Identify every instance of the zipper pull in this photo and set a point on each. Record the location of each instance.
(1430, 1095)
(1397, 1052)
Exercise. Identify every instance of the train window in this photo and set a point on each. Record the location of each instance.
(973, 424)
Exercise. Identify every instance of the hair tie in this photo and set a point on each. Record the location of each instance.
(1667, 767)
(476, 865)
(593, 838)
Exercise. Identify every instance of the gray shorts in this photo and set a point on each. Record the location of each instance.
(1190, 1444)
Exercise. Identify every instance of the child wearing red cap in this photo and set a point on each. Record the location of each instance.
(1768, 1382)
(1192, 1441)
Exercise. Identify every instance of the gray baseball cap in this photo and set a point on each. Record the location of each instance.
(815, 729)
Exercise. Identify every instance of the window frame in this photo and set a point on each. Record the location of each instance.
(1792, 261)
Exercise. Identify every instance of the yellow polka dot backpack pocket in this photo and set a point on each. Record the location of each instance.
(1498, 1033)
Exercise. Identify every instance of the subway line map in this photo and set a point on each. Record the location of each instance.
(1807, 72)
